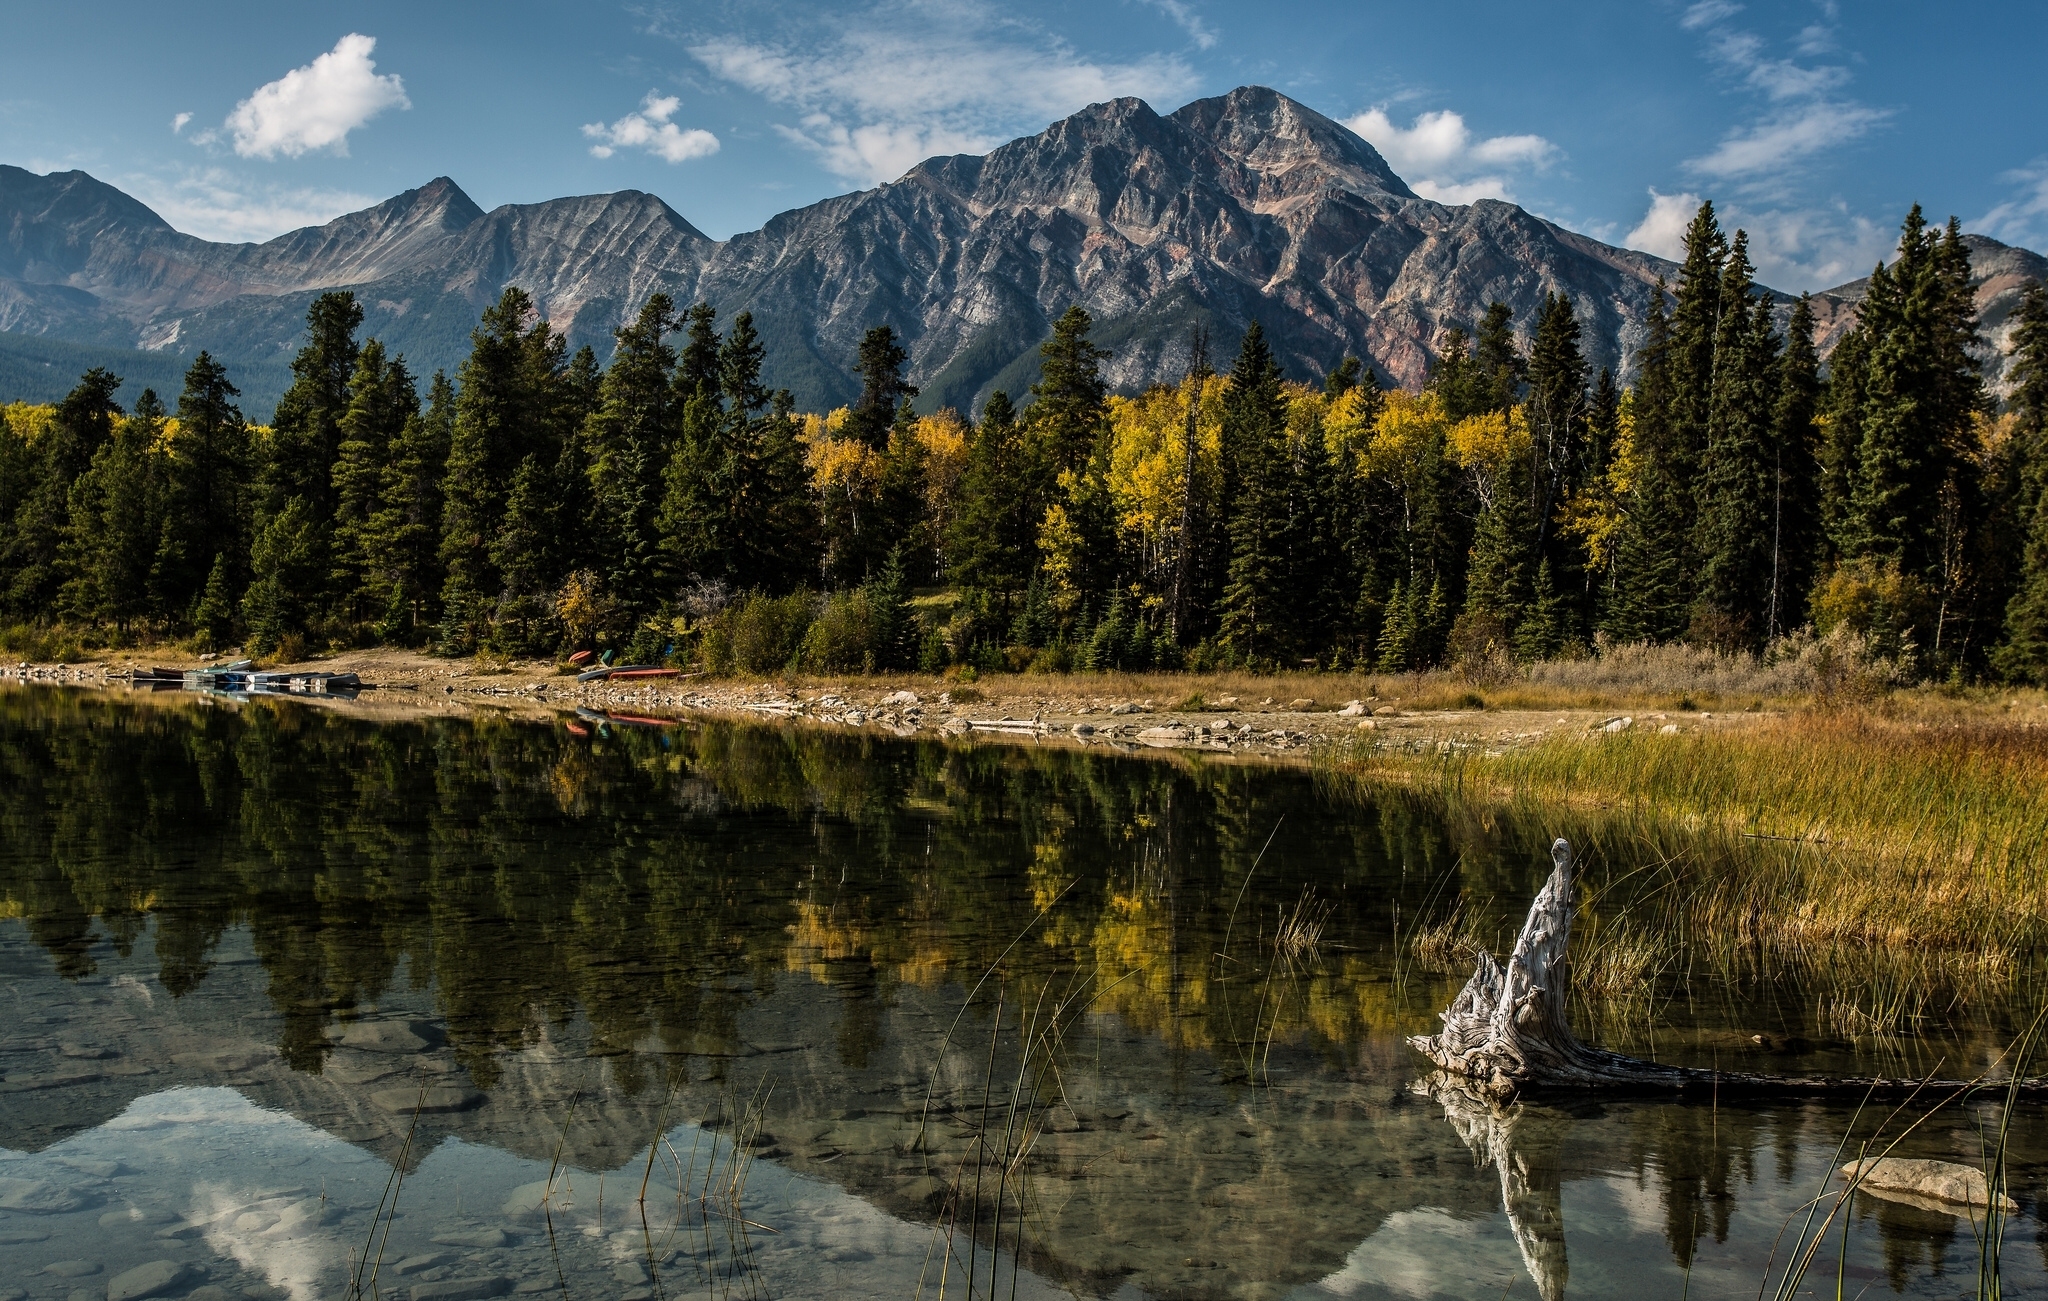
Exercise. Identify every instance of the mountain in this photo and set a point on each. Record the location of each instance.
(1248, 206)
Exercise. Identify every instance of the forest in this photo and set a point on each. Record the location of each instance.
(1739, 494)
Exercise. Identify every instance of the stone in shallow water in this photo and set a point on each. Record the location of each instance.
(153, 1279)
(38, 1197)
(630, 1272)
(97, 1167)
(462, 1289)
(72, 1268)
(211, 1292)
(1948, 1184)
(414, 1264)
(436, 1098)
(385, 1037)
(134, 1217)
(471, 1238)
(19, 1237)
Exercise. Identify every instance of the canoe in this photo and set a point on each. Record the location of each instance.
(583, 657)
(577, 729)
(593, 675)
(641, 720)
(645, 671)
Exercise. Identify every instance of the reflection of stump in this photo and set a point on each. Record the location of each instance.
(1524, 1148)
(1507, 1030)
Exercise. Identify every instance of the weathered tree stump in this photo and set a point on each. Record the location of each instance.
(1507, 1031)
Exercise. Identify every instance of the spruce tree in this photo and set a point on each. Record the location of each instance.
(627, 444)
(306, 432)
(404, 541)
(1255, 596)
(1561, 457)
(381, 400)
(994, 542)
(208, 514)
(1068, 401)
(2023, 656)
(882, 387)
(1652, 597)
(84, 423)
(284, 566)
(1795, 475)
(1498, 362)
(1733, 533)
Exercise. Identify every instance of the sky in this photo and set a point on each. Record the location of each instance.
(1814, 125)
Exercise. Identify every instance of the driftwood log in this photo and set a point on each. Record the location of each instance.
(1507, 1032)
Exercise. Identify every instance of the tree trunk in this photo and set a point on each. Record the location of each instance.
(1507, 1032)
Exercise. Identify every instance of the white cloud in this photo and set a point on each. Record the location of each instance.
(880, 89)
(1440, 160)
(2022, 219)
(1662, 229)
(1773, 144)
(215, 204)
(315, 107)
(1807, 116)
(1793, 249)
(1185, 18)
(651, 130)
(1706, 13)
(178, 122)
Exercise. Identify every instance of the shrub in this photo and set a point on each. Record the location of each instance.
(757, 633)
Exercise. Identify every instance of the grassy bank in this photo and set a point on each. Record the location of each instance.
(1907, 840)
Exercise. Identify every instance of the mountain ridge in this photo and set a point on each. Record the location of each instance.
(1240, 207)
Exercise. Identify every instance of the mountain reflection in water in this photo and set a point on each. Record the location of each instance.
(563, 945)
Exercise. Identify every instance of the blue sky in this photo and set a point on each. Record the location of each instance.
(1812, 124)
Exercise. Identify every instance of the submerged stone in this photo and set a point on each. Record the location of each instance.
(153, 1279)
(462, 1289)
(38, 1197)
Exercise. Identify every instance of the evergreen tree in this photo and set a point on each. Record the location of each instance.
(2024, 654)
(782, 540)
(628, 444)
(116, 510)
(1560, 453)
(403, 544)
(209, 509)
(1068, 403)
(1795, 475)
(381, 400)
(882, 388)
(213, 614)
(1498, 362)
(1734, 530)
(1346, 375)
(1255, 597)
(994, 542)
(1545, 629)
(306, 433)
(284, 565)
(84, 424)
(1652, 597)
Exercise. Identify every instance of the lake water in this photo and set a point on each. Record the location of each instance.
(299, 1002)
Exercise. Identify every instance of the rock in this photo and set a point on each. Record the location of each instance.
(956, 726)
(1355, 709)
(1169, 735)
(1084, 729)
(471, 1238)
(1669, 729)
(11, 1294)
(433, 1100)
(630, 1272)
(414, 1264)
(38, 1197)
(21, 1237)
(901, 698)
(305, 1215)
(134, 1217)
(1224, 702)
(87, 1052)
(462, 1289)
(1300, 705)
(537, 1285)
(1617, 724)
(1125, 708)
(210, 1292)
(385, 1037)
(1950, 1184)
(524, 1202)
(72, 1268)
(1367, 725)
(153, 1279)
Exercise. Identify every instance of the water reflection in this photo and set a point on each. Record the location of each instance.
(553, 939)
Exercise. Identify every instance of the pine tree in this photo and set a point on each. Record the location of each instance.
(115, 517)
(2024, 654)
(381, 400)
(1794, 475)
(1068, 401)
(213, 614)
(1652, 597)
(783, 540)
(1561, 457)
(628, 443)
(882, 388)
(1546, 629)
(1733, 533)
(994, 540)
(306, 432)
(403, 543)
(284, 566)
(1695, 331)
(1254, 443)
(83, 425)
(208, 513)
(1498, 362)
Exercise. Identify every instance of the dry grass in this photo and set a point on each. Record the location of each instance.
(1913, 834)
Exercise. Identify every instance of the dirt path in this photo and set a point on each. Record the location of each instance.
(1076, 710)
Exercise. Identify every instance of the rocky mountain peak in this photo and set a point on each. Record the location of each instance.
(1275, 136)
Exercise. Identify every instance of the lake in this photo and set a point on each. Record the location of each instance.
(302, 1001)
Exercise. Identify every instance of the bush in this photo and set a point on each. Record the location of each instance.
(757, 633)
(852, 633)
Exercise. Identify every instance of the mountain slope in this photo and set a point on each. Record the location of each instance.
(1248, 206)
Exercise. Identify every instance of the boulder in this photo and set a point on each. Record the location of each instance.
(1950, 1184)
(38, 1197)
(901, 698)
(153, 1279)
(1300, 705)
(471, 1238)
(1355, 709)
(1164, 736)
